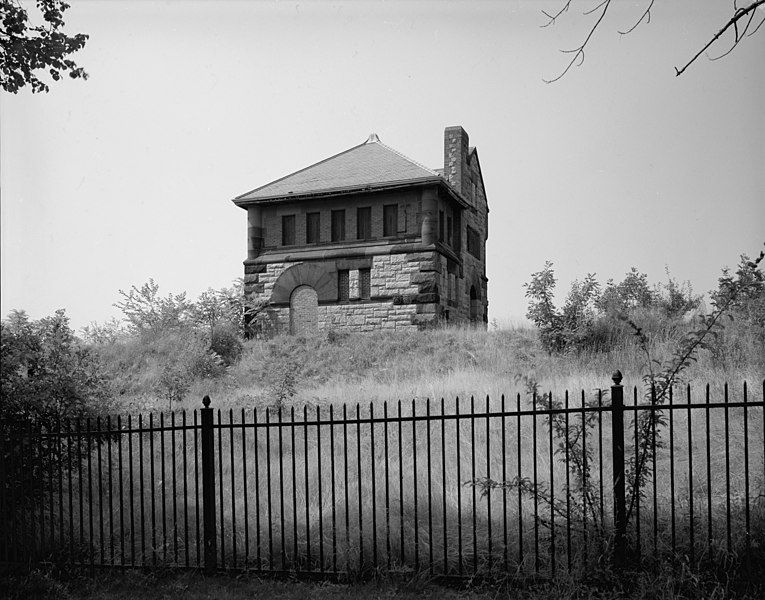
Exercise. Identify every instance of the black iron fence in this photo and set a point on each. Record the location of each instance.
(458, 488)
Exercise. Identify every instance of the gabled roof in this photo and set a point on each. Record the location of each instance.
(368, 165)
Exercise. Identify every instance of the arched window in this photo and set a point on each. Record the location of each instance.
(304, 309)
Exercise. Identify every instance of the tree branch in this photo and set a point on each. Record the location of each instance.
(739, 14)
(579, 52)
(646, 15)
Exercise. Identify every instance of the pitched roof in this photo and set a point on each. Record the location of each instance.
(371, 164)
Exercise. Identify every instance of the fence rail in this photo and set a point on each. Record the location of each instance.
(454, 488)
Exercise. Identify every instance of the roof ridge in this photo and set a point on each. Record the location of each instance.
(404, 156)
(300, 171)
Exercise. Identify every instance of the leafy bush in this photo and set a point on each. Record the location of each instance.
(592, 319)
(46, 373)
(46, 376)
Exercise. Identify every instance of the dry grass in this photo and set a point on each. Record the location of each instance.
(372, 370)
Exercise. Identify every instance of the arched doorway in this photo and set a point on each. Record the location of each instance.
(475, 305)
(304, 309)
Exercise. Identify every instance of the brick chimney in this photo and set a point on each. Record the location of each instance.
(455, 159)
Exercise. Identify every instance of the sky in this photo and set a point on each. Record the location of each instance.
(129, 175)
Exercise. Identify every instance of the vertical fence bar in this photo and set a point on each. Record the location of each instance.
(372, 461)
(414, 467)
(672, 470)
(443, 482)
(245, 491)
(164, 484)
(519, 458)
(319, 490)
(472, 475)
(568, 487)
(198, 536)
(636, 489)
(690, 479)
(131, 488)
(727, 470)
(430, 492)
(268, 491)
(120, 488)
(208, 487)
(233, 483)
(152, 482)
(307, 494)
(617, 452)
(654, 474)
(535, 477)
(51, 488)
(60, 450)
(387, 489)
(99, 458)
(257, 487)
(709, 472)
(294, 491)
(111, 498)
(358, 486)
(488, 496)
(504, 488)
(90, 493)
(281, 490)
(457, 423)
(345, 487)
(552, 487)
(747, 521)
(185, 492)
(220, 492)
(400, 488)
(332, 467)
(175, 491)
(585, 483)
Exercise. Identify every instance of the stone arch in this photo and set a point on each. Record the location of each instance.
(304, 310)
(476, 308)
(316, 275)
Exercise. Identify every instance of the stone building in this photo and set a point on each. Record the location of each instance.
(369, 239)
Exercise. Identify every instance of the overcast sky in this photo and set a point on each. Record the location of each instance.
(130, 174)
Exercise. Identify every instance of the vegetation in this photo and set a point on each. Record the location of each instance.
(169, 353)
(26, 50)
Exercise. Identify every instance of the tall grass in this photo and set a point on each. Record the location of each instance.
(329, 496)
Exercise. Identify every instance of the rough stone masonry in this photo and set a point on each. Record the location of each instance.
(370, 239)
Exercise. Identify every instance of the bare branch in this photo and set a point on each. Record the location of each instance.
(579, 52)
(552, 18)
(756, 28)
(646, 15)
(739, 14)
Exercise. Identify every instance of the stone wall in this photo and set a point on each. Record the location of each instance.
(403, 293)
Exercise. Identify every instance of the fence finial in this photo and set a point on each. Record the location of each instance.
(206, 401)
(617, 377)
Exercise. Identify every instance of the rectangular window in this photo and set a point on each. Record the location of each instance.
(390, 219)
(440, 226)
(449, 236)
(473, 242)
(288, 230)
(363, 223)
(365, 277)
(338, 225)
(312, 226)
(343, 287)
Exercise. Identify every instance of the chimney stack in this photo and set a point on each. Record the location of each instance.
(456, 150)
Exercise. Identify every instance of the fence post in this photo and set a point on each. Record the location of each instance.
(208, 487)
(617, 457)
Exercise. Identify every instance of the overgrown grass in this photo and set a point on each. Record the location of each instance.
(374, 367)
(665, 584)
